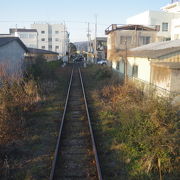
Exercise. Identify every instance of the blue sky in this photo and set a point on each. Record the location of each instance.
(75, 13)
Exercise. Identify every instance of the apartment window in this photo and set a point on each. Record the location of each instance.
(56, 32)
(50, 47)
(23, 36)
(56, 39)
(50, 39)
(56, 47)
(135, 71)
(32, 36)
(144, 40)
(125, 39)
(42, 32)
(43, 39)
(164, 26)
(43, 47)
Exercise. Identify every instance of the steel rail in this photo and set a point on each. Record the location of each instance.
(60, 129)
(91, 131)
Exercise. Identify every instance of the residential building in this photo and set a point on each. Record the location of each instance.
(162, 20)
(48, 55)
(28, 36)
(124, 37)
(12, 53)
(52, 37)
(154, 65)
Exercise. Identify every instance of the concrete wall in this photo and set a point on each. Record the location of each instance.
(12, 56)
(144, 68)
(151, 18)
(30, 39)
(56, 37)
(115, 42)
(175, 29)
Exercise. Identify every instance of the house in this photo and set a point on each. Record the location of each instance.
(166, 20)
(48, 55)
(52, 37)
(12, 53)
(156, 64)
(123, 37)
(28, 36)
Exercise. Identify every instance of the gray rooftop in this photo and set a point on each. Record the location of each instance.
(41, 51)
(6, 40)
(156, 50)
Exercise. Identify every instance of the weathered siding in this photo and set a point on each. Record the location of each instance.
(11, 56)
(175, 80)
(161, 77)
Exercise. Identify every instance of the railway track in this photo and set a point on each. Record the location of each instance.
(75, 155)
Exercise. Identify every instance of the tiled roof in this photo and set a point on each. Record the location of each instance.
(41, 51)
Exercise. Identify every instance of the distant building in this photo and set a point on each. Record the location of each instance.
(123, 37)
(28, 36)
(12, 53)
(48, 55)
(166, 21)
(52, 37)
(101, 47)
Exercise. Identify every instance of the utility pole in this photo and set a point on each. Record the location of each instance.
(88, 36)
(95, 43)
(126, 64)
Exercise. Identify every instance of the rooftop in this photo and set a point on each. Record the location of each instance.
(171, 65)
(156, 50)
(13, 30)
(136, 27)
(6, 40)
(41, 51)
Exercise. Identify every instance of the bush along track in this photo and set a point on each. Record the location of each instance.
(136, 136)
(30, 114)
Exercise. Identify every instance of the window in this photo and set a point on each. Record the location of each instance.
(117, 65)
(164, 26)
(56, 47)
(56, 39)
(42, 32)
(144, 40)
(50, 47)
(124, 39)
(135, 71)
(56, 32)
(43, 39)
(23, 35)
(32, 36)
(43, 47)
(50, 39)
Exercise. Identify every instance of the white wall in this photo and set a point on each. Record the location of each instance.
(152, 18)
(144, 67)
(175, 29)
(30, 39)
(12, 56)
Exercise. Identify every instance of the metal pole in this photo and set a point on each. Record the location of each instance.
(95, 43)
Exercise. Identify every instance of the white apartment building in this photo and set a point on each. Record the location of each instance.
(28, 36)
(53, 37)
(166, 21)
